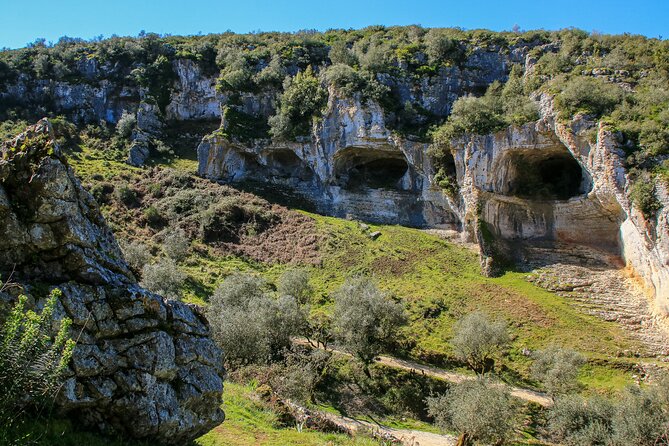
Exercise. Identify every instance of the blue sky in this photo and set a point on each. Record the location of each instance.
(24, 21)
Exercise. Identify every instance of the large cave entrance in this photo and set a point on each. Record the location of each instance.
(285, 164)
(544, 175)
(357, 169)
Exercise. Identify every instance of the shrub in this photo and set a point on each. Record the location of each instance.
(153, 217)
(164, 277)
(501, 106)
(557, 369)
(440, 48)
(176, 245)
(272, 74)
(344, 78)
(32, 362)
(126, 124)
(479, 411)
(642, 194)
(302, 99)
(575, 421)
(230, 218)
(300, 375)
(101, 192)
(349, 81)
(126, 195)
(250, 326)
(137, 255)
(340, 53)
(183, 203)
(365, 320)
(477, 340)
(588, 95)
(295, 282)
(642, 417)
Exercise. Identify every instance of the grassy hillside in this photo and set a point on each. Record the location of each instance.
(438, 281)
(249, 422)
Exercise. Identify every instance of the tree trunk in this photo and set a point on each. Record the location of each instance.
(464, 440)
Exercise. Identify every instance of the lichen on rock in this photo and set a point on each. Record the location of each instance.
(144, 366)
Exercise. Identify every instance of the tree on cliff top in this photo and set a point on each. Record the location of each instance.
(302, 99)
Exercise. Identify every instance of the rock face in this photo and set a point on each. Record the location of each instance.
(545, 181)
(351, 166)
(541, 182)
(144, 366)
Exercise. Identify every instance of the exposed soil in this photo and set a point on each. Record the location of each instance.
(454, 377)
(229, 220)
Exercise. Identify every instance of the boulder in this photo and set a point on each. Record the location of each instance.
(144, 367)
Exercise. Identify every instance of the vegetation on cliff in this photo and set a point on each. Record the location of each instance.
(237, 254)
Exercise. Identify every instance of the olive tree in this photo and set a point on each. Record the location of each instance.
(137, 254)
(636, 417)
(249, 324)
(365, 319)
(557, 369)
(295, 282)
(642, 417)
(478, 410)
(576, 421)
(176, 244)
(477, 340)
(164, 277)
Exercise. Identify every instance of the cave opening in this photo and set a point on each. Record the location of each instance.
(371, 170)
(286, 164)
(553, 175)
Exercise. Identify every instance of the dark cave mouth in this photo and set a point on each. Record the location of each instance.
(547, 176)
(360, 172)
(286, 164)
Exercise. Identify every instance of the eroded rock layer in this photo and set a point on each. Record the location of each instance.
(544, 181)
(143, 366)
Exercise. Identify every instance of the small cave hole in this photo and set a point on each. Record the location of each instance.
(380, 173)
(550, 176)
(286, 164)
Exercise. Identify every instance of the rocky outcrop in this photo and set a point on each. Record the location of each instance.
(195, 95)
(144, 366)
(544, 181)
(351, 166)
(578, 194)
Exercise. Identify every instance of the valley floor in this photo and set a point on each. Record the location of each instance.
(438, 281)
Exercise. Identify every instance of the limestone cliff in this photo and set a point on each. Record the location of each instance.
(545, 181)
(352, 165)
(143, 366)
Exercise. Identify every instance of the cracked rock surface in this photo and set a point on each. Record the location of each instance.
(144, 366)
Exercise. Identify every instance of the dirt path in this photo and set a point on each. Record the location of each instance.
(435, 372)
(406, 436)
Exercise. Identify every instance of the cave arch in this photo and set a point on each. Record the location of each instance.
(359, 168)
(285, 164)
(544, 175)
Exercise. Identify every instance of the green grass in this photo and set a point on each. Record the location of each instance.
(438, 281)
(249, 422)
(61, 432)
